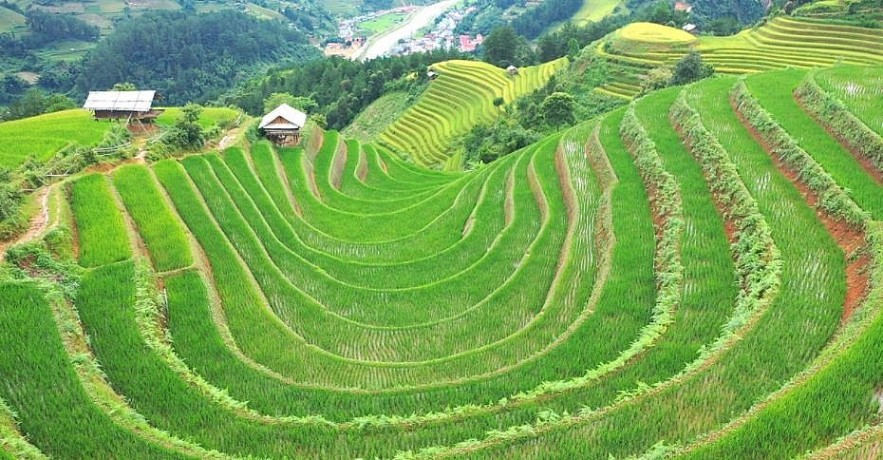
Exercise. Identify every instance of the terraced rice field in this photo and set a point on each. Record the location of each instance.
(44, 135)
(780, 43)
(860, 89)
(699, 275)
(460, 98)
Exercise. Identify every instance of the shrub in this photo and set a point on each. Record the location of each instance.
(691, 68)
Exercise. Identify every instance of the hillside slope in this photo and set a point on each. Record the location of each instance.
(697, 275)
(42, 136)
(461, 97)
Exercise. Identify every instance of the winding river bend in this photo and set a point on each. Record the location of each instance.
(382, 44)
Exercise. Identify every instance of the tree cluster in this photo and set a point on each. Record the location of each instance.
(570, 38)
(504, 47)
(691, 68)
(50, 27)
(744, 11)
(34, 102)
(190, 57)
(187, 134)
(537, 20)
(488, 142)
(530, 23)
(566, 100)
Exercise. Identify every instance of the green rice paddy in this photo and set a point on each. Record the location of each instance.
(696, 275)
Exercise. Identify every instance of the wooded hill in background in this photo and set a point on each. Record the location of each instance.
(44, 43)
(209, 52)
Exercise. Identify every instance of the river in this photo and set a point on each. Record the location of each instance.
(382, 44)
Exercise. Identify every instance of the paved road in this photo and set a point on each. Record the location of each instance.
(422, 18)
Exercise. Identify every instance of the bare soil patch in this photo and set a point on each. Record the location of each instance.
(338, 166)
(38, 224)
(362, 173)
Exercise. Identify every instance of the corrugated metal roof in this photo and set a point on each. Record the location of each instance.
(290, 114)
(129, 101)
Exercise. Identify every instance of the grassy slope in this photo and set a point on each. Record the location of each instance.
(210, 116)
(10, 20)
(800, 322)
(377, 116)
(595, 10)
(44, 135)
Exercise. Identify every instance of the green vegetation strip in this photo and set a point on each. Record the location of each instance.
(444, 230)
(162, 232)
(446, 262)
(556, 387)
(13, 444)
(832, 113)
(101, 229)
(42, 388)
(445, 295)
(806, 308)
(513, 296)
(107, 301)
(831, 197)
(774, 93)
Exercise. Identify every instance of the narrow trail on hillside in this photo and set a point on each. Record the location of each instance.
(229, 139)
(39, 223)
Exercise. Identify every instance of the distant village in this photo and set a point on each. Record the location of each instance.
(440, 36)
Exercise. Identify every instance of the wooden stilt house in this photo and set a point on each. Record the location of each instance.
(283, 125)
(123, 105)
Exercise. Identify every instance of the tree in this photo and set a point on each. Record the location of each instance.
(486, 143)
(187, 133)
(10, 87)
(691, 68)
(727, 25)
(125, 86)
(499, 47)
(573, 49)
(662, 13)
(304, 104)
(320, 120)
(557, 109)
(36, 102)
(49, 27)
